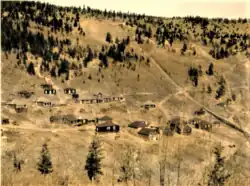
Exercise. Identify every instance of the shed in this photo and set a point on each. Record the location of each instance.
(204, 125)
(194, 121)
(184, 129)
(5, 121)
(138, 124)
(44, 103)
(70, 91)
(21, 109)
(98, 95)
(150, 133)
(25, 94)
(75, 96)
(50, 91)
(107, 127)
(173, 123)
(46, 86)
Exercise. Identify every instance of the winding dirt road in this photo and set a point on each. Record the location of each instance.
(186, 94)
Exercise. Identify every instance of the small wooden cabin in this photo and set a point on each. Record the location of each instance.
(150, 133)
(98, 95)
(148, 106)
(200, 112)
(184, 129)
(44, 103)
(138, 124)
(10, 105)
(5, 121)
(173, 123)
(107, 127)
(204, 125)
(21, 108)
(46, 86)
(25, 94)
(194, 121)
(70, 91)
(75, 96)
(50, 91)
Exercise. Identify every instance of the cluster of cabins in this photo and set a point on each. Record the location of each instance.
(100, 99)
(48, 89)
(175, 125)
(105, 124)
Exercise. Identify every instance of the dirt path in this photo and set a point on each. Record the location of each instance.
(39, 129)
(186, 94)
(59, 93)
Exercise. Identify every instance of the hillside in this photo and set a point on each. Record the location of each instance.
(181, 66)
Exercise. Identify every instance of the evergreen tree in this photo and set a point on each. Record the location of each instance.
(209, 89)
(210, 71)
(17, 163)
(184, 48)
(218, 175)
(108, 37)
(45, 165)
(93, 162)
(220, 91)
(30, 69)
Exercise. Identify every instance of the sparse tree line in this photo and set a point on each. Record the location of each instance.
(194, 73)
(130, 163)
(17, 37)
(165, 31)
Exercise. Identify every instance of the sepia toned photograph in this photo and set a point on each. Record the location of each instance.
(125, 93)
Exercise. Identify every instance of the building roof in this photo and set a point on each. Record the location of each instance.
(105, 118)
(137, 124)
(147, 131)
(69, 88)
(24, 92)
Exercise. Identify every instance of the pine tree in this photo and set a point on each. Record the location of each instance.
(45, 165)
(210, 71)
(93, 162)
(209, 89)
(108, 37)
(218, 175)
(30, 69)
(17, 163)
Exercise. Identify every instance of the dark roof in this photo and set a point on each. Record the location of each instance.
(137, 124)
(104, 118)
(106, 125)
(69, 89)
(147, 131)
(23, 92)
